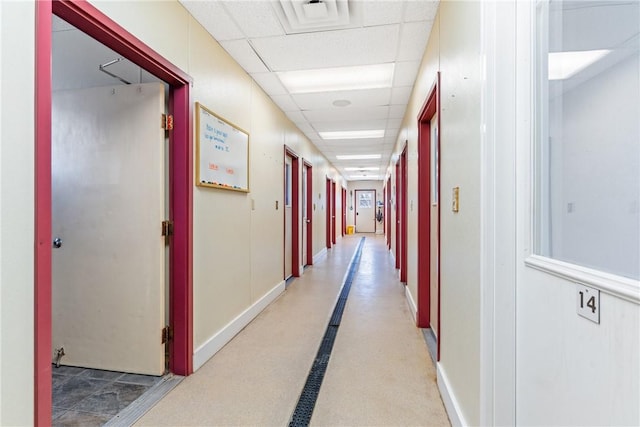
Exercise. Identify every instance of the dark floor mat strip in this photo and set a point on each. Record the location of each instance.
(307, 401)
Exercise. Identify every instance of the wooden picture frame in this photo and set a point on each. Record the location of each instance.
(222, 152)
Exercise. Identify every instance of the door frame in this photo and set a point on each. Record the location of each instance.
(398, 254)
(344, 211)
(333, 212)
(355, 209)
(91, 21)
(388, 229)
(295, 213)
(328, 211)
(430, 108)
(309, 201)
(403, 215)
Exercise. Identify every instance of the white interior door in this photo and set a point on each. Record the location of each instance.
(288, 228)
(108, 204)
(365, 211)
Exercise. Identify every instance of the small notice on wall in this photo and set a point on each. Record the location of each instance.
(222, 152)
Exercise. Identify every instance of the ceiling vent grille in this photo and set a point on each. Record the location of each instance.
(304, 16)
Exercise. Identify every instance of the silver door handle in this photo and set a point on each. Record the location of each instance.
(57, 242)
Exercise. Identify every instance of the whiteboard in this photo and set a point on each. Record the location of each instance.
(222, 152)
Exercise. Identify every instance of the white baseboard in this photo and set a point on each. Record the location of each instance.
(412, 304)
(449, 399)
(317, 257)
(226, 334)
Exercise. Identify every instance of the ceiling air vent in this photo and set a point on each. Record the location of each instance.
(303, 16)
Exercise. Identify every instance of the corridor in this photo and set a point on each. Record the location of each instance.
(379, 372)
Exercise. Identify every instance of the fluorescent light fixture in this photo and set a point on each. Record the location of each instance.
(353, 134)
(358, 156)
(335, 79)
(372, 177)
(363, 168)
(563, 65)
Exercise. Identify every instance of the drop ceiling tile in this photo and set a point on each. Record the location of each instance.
(397, 111)
(285, 103)
(214, 18)
(413, 40)
(270, 83)
(424, 10)
(337, 114)
(296, 117)
(352, 125)
(382, 12)
(405, 73)
(241, 51)
(358, 98)
(255, 18)
(400, 95)
(360, 46)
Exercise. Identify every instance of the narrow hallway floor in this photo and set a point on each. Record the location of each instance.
(379, 372)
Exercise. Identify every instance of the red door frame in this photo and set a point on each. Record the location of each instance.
(91, 21)
(309, 201)
(398, 202)
(333, 212)
(388, 229)
(429, 109)
(403, 216)
(295, 213)
(344, 211)
(328, 211)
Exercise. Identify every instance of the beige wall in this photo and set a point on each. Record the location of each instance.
(456, 54)
(16, 212)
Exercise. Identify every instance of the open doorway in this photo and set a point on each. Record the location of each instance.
(428, 315)
(307, 215)
(90, 21)
(328, 210)
(291, 214)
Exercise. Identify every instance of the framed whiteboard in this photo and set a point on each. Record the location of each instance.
(222, 152)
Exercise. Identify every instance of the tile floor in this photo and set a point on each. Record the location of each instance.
(91, 397)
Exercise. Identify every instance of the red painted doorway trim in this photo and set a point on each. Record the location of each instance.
(333, 212)
(403, 216)
(344, 211)
(309, 200)
(398, 214)
(295, 211)
(91, 21)
(431, 107)
(328, 213)
(388, 213)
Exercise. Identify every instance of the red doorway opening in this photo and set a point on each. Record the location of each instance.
(91, 21)
(295, 211)
(344, 211)
(398, 214)
(328, 213)
(333, 212)
(403, 215)
(388, 213)
(428, 202)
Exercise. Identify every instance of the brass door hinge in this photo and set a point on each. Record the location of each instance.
(167, 122)
(167, 334)
(167, 228)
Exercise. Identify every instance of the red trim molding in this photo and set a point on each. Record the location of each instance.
(328, 211)
(398, 201)
(309, 201)
(404, 215)
(295, 210)
(429, 109)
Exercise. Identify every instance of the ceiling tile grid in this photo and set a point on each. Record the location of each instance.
(268, 37)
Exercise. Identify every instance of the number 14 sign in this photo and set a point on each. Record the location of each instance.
(588, 302)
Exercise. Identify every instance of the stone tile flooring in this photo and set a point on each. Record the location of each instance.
(91, 397)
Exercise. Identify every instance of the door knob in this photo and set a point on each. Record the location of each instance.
(57, 242)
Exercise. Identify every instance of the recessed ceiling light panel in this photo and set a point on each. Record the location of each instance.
(336, 79)
(353, 134)
(363, 168)
(358, 156)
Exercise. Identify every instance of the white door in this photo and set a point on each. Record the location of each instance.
(365, 211)
(107, 209)
(288, 228)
